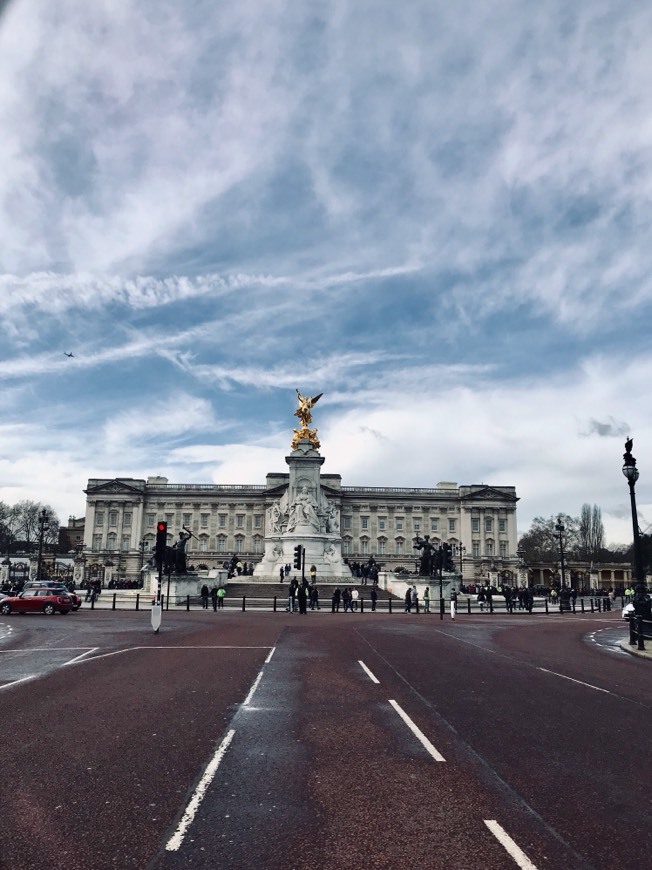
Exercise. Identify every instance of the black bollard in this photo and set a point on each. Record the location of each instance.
(275, 604)
(113, 603)
(187, 602)
(137, 600)
(243, 603)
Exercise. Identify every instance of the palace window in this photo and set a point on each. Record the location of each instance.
(399, 524)
(381, 548)
(203, 543)
(475, 524)
(476, 549)
(488, 524)
(451, 525)
(113, 518)
(204, 521)
(126, 520)
(112, 541)
(187, 519)
(346, 547)
(124, 544)
(399, 548)
(364, 522)
(381, 524)
(503, 549)
(347, 522)
(434, 525)
(239, 545)
(416, 525)
(239, 521)
(364, 546)
(489, 548)
(151, 520)
(99, 518)
(502, 525)
(97, 542)
(221, 544)
(258, 521)
(222, 521)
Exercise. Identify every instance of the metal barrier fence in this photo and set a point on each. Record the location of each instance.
(436, 606)
(640, 630)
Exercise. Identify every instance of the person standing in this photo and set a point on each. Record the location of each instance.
(292, 595)
(453, 603)
(204, 596)
(282, 574)
(414, 599)
(426, 600)
(408, 600)
(335, 601)
(355, 595)
(214, 598)
(221, 592)
(374, 597)
(302, 596)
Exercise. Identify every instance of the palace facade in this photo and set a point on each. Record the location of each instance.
(478, 520)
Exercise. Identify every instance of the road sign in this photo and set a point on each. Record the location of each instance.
(156, 616)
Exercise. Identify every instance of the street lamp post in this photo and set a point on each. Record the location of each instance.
(462, 552)
(631, 473)
(44, 525)
(560, 529)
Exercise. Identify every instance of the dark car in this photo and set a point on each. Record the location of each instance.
(59, 588)
(37, 601)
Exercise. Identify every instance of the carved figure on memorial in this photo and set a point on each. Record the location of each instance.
(330, 553)
(305, 433)
(303, 511)
(275, 517)
(332, 518)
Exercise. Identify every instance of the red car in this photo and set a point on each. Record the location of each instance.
(36, 601)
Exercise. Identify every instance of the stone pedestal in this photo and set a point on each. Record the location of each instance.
(303, 515)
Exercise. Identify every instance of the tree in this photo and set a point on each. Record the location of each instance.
(27, 526)
(541, 542)
(591, 533)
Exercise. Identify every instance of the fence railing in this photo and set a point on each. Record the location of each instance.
(640, 630)
(468, 606)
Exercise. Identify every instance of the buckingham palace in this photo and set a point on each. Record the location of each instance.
(335, 525)
(478, 520)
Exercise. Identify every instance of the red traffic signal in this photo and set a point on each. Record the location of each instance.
(161, 540)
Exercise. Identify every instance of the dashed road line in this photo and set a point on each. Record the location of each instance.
(368, 672)
(175, 841)
(418, 733)
(509, 845)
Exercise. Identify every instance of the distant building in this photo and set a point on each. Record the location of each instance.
(479, 521)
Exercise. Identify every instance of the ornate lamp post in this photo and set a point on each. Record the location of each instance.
(560, 528)
(462, 554)
(631, 473)
(44, 525)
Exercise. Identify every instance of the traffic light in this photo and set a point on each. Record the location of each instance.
(448, 557)
(161, 541)
(298, 550)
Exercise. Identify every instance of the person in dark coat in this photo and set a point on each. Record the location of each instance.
(204, 596)
(335, 601)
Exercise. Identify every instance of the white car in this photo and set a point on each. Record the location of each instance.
(628, 610)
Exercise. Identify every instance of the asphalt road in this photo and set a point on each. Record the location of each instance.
(323, 741)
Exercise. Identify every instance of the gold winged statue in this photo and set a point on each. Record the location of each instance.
(305, 433)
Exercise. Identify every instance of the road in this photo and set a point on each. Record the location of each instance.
(323, 741)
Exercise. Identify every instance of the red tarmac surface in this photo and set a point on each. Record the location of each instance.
(536, 718)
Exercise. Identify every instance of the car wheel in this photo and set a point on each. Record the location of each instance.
(5, 609)
(49, 609)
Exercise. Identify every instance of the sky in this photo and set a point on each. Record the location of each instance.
(436, 214)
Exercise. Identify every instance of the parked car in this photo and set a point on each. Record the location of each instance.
(628, 610)
(55, 587)
(36, 601)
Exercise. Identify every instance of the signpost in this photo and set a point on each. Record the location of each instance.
(159, 555)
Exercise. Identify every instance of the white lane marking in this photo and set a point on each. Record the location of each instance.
(80, 657)
(269, 657)
(247, 700)
(510, 846)
(572, 680)
(417, 732)
(22, 680)
(368, 672)
(175, 841)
